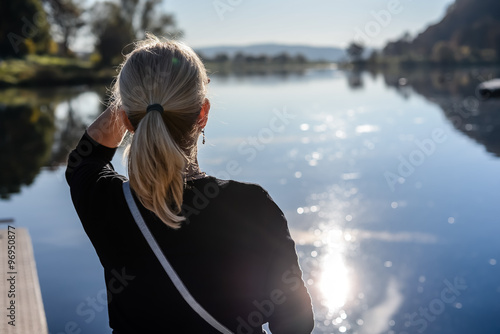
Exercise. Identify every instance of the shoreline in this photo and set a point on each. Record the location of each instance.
(36, 71)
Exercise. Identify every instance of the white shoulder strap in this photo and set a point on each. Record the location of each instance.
(166, 265)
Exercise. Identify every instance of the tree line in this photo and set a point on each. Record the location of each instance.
(50, 26)
(469, 33)
(241, 58)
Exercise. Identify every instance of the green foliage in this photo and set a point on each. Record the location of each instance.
(242, 59)
(112, 30)
(469, 33)
(116, 25)
(247, 64)
(443, 53)
(15, 70)
(355, 51)
(47, 70)
(23, 28)
(65, 17)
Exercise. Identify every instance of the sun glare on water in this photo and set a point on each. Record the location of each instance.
(334, 282)
(334, 278)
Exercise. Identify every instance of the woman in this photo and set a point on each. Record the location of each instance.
(228, 241)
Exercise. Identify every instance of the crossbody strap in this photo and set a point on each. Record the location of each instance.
(166, 265)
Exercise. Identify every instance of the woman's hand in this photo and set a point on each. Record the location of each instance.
(109, 128)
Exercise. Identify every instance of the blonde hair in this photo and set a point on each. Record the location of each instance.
(168, 73)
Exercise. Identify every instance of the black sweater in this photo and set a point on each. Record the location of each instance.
(234, 253)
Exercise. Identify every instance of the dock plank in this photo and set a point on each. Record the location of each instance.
(29, 311)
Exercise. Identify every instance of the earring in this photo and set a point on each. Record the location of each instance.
(203, 131)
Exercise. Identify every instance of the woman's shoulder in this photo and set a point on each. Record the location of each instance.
(229, 192)
(245, 192)
(238, 187)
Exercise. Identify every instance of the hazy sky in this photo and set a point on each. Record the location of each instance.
(312, 22)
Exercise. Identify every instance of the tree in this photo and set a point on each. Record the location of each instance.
(111, 30)
(374, 58)
(442, 53)
(355, 51)
(239, 58)
(300, 59)
(282, 58)
(65, 17)
(116, 25)
(221, 58)
(398, 48)
(23, 28)
(406, 37)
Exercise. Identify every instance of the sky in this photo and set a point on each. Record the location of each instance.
(298, 22)
(311, 22)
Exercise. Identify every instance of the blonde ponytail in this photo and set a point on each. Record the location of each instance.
(170, 74)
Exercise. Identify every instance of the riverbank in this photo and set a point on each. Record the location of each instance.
(404, 63)
(36, 71)
(262, 68)
(51, 71)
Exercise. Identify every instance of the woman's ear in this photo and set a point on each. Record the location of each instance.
(203, 116)
(126, 121)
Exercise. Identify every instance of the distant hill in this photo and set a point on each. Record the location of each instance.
(312, 53)
(470, 28)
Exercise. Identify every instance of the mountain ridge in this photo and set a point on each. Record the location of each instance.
(469, 28)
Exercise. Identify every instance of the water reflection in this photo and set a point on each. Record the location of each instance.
(334, 283)
(372, 257)
(378, 319)
(328, 263)
(50, 125)
(35, 134)
(456, 92)
(26, 137)
(354, 79)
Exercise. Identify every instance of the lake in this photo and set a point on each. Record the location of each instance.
(390, 184)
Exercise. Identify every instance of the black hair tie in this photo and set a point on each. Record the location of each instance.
(156, 106)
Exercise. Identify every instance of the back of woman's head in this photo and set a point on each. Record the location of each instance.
(170, 74)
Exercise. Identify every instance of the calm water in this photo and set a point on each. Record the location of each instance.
(389, 183)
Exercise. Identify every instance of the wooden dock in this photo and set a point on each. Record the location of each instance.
(20, 297)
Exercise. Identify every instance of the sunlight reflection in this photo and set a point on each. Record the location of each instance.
(334, 282)
(334, 240)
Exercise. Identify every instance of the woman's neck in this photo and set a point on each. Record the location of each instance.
(193, 171)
